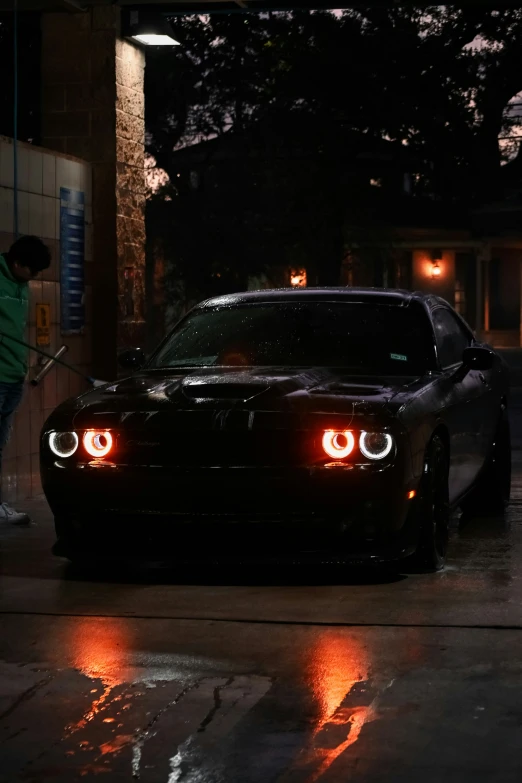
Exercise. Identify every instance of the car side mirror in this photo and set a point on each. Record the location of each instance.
(478, 358)
(131, 359)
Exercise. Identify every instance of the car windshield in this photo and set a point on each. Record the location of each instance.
(370, 338)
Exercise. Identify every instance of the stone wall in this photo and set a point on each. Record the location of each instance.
(93, 106)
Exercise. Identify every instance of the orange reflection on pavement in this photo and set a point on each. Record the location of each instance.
(354, 723)
(337, 662)
(99, 648)
(116, 744)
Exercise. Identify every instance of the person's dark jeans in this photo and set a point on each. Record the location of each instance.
(10, 397)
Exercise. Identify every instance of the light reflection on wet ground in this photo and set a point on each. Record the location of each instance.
(336, 664)
(420, 679)
(338, 674)
(99, 656)
(216, 703)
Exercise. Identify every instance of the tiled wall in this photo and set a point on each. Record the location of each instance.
(41, 174)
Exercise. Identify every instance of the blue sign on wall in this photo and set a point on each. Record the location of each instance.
(72, 260)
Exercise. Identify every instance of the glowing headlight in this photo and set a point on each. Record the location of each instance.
(338, 444)
(63, 444)
(375, 445)
(97, 443)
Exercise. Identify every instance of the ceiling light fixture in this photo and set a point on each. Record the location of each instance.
(147, 29)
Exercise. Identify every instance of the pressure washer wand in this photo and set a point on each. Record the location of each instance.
(88, 378)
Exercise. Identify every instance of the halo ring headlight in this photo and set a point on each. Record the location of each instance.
(97, 443)
(338, 444)
(63, 444)
(375, 445)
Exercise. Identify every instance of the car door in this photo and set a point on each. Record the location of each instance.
(464, 402)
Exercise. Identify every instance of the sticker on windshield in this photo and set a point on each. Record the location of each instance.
(399, 357)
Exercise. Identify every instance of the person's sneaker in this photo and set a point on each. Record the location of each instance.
(12, 517)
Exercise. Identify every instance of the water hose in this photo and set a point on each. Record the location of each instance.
(15, 120)
(88, 378)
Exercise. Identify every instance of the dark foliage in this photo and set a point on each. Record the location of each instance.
(294, 115)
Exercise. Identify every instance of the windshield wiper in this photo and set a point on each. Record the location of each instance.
(205, 361)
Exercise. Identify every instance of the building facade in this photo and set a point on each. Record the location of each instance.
(480, 277)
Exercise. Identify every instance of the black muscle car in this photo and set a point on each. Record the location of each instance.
(272, 424)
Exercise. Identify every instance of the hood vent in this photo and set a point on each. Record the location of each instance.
(129, 385)
(350, 390)
(223, 391)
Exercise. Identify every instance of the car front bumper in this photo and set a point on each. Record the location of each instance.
(345, 512)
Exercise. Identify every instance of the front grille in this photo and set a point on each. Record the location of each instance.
(245, 492)
(210, 448)
(201, 533)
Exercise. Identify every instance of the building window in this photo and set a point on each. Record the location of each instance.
(466, 287)
(460, 298)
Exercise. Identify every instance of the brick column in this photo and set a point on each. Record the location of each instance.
(93, 108)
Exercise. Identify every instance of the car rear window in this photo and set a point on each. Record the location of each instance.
(370, 338)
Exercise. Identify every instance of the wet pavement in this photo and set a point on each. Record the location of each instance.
(289, 675)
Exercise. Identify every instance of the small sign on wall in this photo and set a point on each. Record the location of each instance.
(72, 260)
(43, 324)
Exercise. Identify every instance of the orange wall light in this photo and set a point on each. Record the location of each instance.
(298, 278)
(436, 259)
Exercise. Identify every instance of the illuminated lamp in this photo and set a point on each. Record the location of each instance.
(147, 28)
(436, 257)
(298, 278)
(63, 444)
(338, 444)
(375, 445)
(97, 443)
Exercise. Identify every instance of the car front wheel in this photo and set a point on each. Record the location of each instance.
(432, 511)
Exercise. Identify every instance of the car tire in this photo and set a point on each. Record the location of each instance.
(432, 510)
(79, 565)
(491, 494)
(66, 549)
(66, 545)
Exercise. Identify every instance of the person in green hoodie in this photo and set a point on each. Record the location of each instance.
(27, 257)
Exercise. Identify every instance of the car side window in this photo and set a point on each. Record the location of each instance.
(451, 337)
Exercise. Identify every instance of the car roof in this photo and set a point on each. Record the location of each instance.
(387, 296)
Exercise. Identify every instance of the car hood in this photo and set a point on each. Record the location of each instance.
(295, 390)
